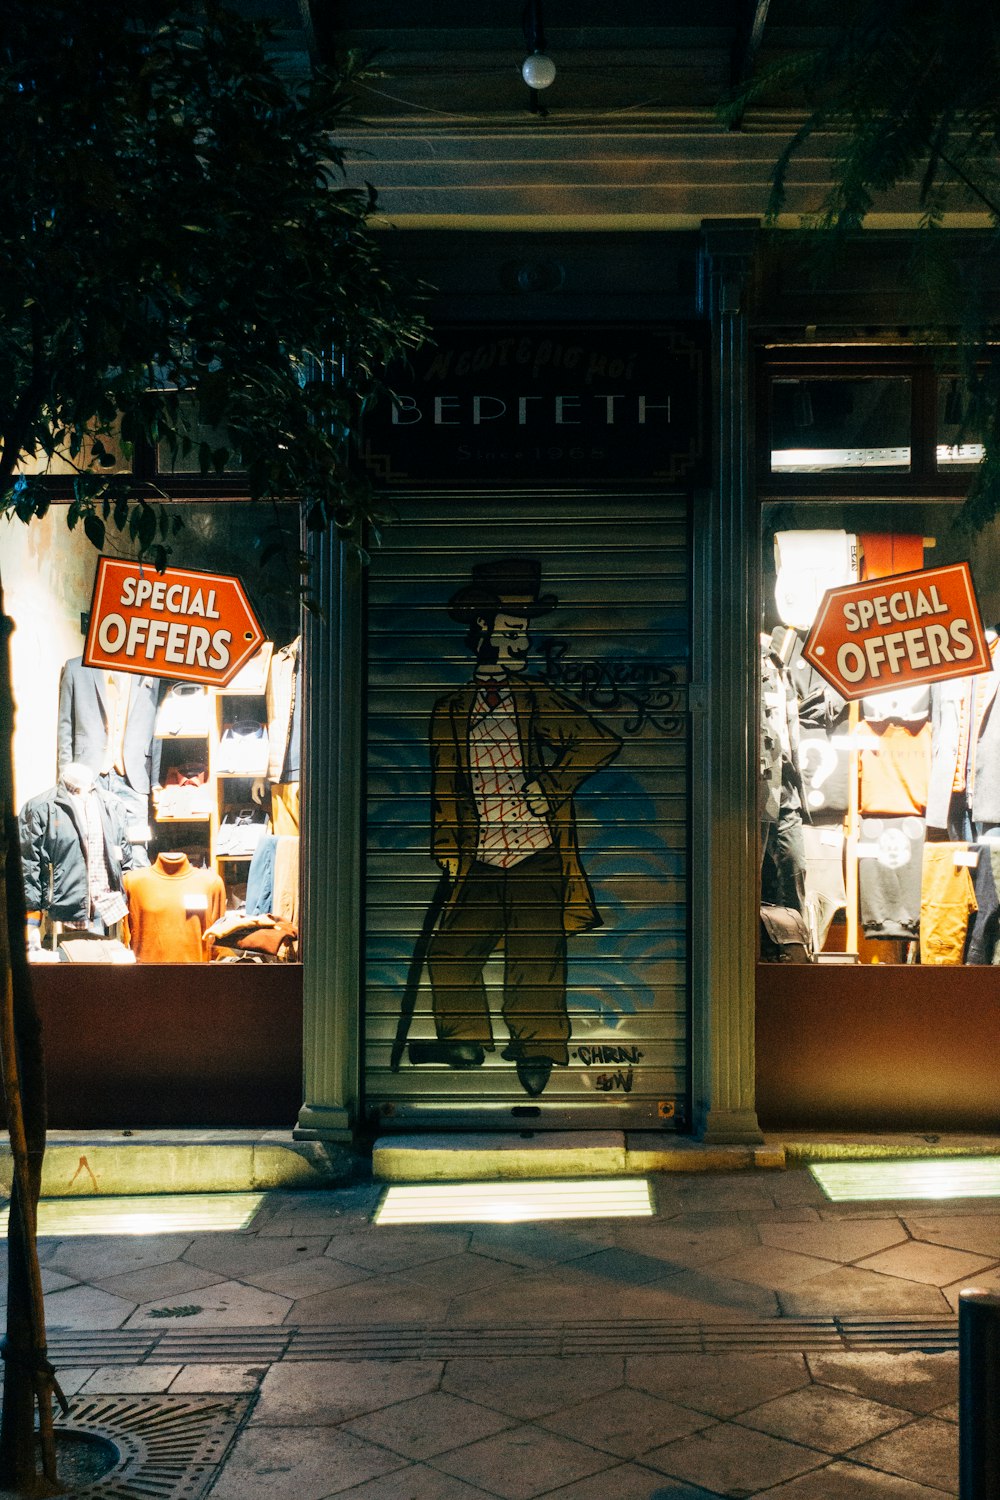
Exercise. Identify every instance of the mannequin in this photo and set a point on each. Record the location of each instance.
(170, 904)
(783, 860)
(74, 849)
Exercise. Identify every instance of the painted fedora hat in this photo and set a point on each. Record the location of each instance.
(510, 584)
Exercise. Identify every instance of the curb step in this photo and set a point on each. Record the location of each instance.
(502, 1157)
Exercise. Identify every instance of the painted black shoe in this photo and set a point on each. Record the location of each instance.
(455, 1054)
(533, 1073)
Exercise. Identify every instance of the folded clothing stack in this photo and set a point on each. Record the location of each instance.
(243, 749)
(185, 792)
(268, 936)
(184, 711)
(241, 830)
(95, 951)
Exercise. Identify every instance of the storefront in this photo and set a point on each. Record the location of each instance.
(627, 467)
(159, 834)
(877, 811)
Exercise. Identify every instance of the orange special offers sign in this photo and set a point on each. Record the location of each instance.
(181, 624)
(899, 631)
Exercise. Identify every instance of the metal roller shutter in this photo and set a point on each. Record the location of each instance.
(616, 646)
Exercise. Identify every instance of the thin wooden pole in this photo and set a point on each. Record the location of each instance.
(20, 1038)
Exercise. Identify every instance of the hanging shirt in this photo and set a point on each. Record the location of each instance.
(895, 768)
(169, 910)
(117, 687)
(886, 553)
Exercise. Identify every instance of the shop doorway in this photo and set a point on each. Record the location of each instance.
(527, 812)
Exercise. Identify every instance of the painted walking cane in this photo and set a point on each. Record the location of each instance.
(416, 969)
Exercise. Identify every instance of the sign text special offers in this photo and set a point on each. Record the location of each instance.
(194, 627)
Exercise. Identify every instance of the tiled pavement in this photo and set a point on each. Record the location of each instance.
(451, 1363)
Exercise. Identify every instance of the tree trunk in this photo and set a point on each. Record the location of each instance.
(28, 1376)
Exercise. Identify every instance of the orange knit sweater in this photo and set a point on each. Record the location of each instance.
(169, 908)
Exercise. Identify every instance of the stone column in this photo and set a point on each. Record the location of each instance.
(332, 780)
(725, 752)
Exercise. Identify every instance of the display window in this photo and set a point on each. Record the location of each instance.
(879, 817)
(158, 820)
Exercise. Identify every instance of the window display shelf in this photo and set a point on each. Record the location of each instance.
(205, 738)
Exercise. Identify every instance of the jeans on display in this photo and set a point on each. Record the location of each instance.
(984, 938)
(260, 877)
(783, 869)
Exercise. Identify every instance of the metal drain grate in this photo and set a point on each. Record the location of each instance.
(801, 1335)
(265, 1346)
(171, 1446)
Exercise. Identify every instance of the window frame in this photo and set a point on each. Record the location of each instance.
(923, 368)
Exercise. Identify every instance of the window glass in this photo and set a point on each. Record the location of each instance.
(195, 435)
(158, 818)
(958, 441)
(879, 819)
(838, 424)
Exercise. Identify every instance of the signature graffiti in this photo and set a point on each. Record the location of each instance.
(605, 1055)
(648, 687)
(621, 1078)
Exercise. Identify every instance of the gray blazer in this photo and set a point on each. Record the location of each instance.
(83, 724)
(986, 787)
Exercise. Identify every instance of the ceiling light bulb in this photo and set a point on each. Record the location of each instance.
(538, 71)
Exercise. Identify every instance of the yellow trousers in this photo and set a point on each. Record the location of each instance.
(947, 901)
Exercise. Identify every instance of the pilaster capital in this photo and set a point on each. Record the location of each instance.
(728, 252)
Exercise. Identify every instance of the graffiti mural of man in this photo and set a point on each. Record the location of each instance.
(508, 753)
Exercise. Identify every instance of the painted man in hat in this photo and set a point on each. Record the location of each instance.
(508, 753)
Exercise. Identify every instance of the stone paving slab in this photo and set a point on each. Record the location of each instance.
(384, 1431)
(751, 1338)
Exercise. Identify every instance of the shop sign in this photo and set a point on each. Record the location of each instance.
(900, 631)
(180, 624)
(545, 404)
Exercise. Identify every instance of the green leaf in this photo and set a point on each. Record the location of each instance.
(186, 246)
(147, 526)
(94, 528)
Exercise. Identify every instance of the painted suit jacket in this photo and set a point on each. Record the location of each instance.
(561, 745)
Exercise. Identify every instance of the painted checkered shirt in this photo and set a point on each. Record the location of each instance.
(508, 830)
